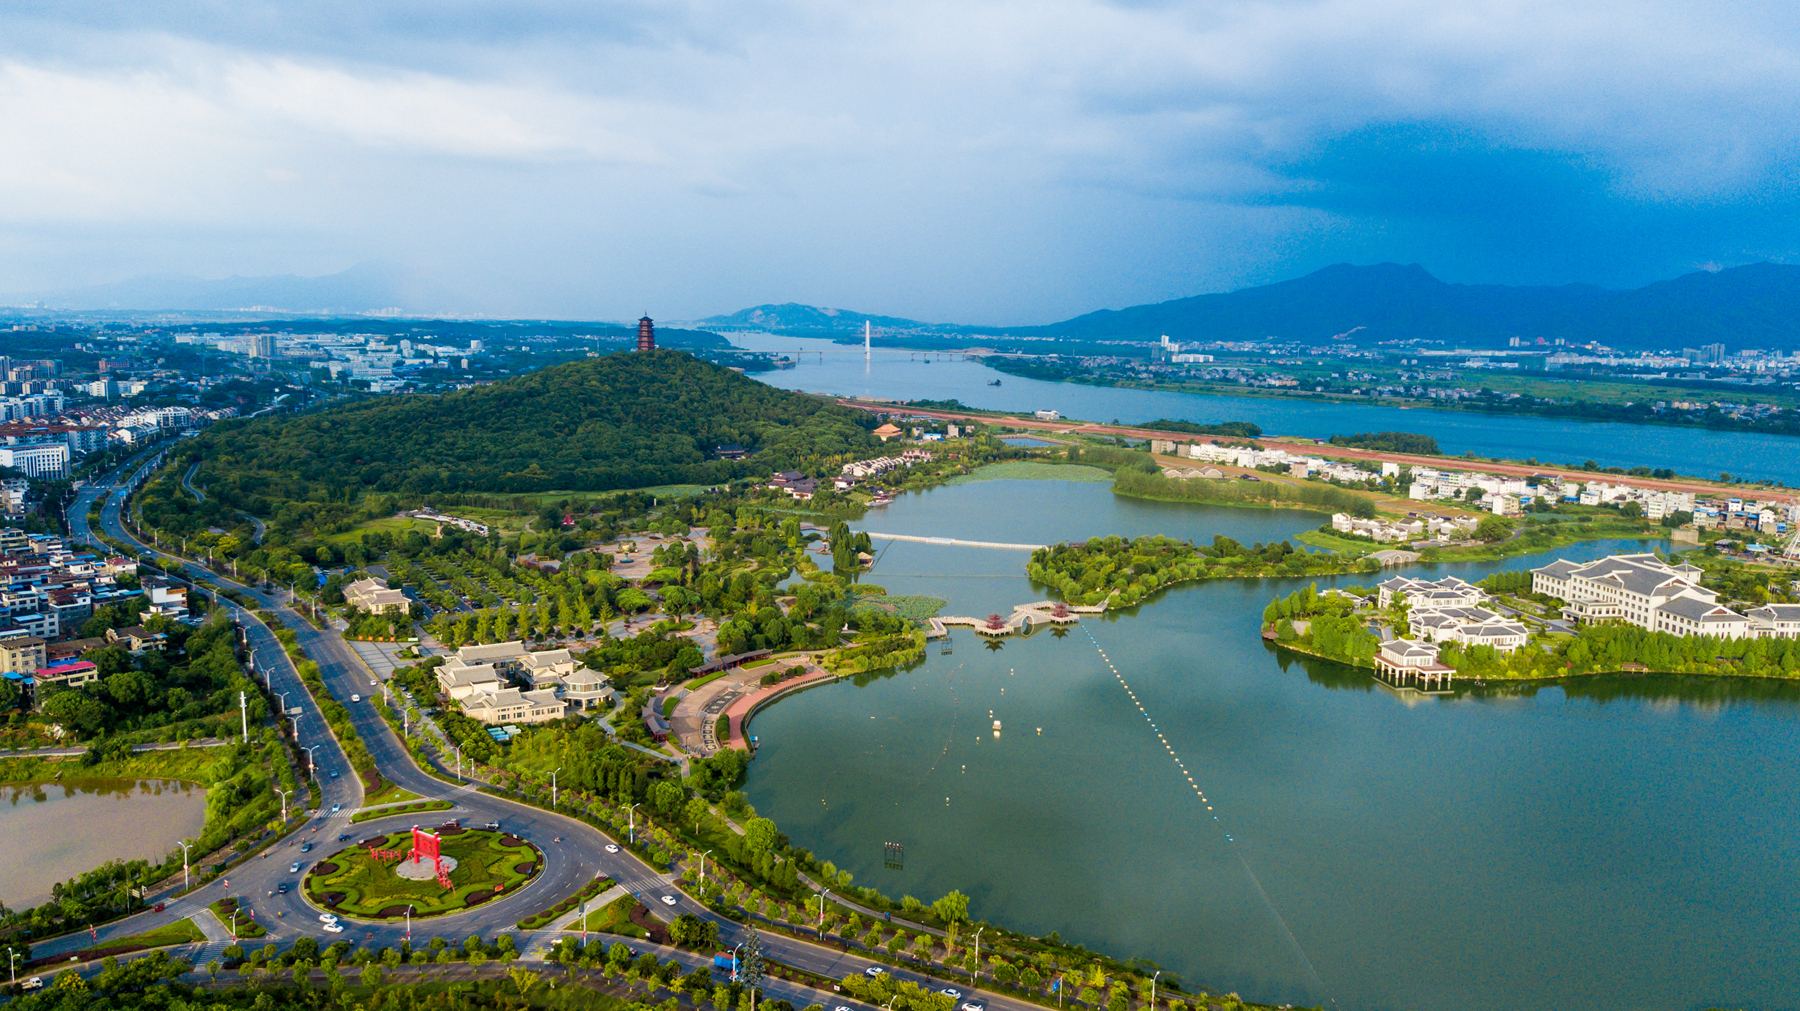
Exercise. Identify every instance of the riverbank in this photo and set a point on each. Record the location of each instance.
(1579, 410)
(1464, 463)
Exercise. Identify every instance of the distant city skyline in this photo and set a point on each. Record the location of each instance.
(987, 164)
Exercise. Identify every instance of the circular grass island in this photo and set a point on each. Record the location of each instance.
(376, 879)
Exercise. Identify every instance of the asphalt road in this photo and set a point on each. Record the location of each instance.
(574, 852)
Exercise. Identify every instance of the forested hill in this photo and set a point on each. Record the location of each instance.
(621, 421)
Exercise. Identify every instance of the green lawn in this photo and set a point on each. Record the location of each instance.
(612, 918)
(410, 808)
(179, 932)
(388, 794)
(1032, 470)
(354, 883)
(386, 524)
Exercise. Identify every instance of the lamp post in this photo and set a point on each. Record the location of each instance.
(822, 896)
(183, 843)
(15, 966)
(283, 697)
(553, 787)
(458, 762)
(284, 797)
(312, 764)
(234, 913)
(703, 857)
(409, 910)
(1153, 990)
(296, 721)
(631, 829)
(978, 931)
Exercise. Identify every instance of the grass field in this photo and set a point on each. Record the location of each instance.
(354, 883)
(1032, 470)
(388, 794)
(411, 808)
(387, 524)
(612, 918)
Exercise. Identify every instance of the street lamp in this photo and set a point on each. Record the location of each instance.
(631, 829)
(284, 797)
(553, 787)
(283, 697)
(822, 896)
(458, 762)
(1153, 990)
(409, 910)
(183, 843)
(703, 857)
(312, 764)
(234, 913)
(296, 722)
(15, 966)
(978, 931)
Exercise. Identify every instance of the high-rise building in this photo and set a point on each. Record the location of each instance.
(646, 333)
(262, 345)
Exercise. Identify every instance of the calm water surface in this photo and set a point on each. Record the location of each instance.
(900, 375)
(50, 832)
(1619, 843)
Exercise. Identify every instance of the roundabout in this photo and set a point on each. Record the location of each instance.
(431, 873)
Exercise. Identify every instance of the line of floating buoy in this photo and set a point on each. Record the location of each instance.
(1199, 792)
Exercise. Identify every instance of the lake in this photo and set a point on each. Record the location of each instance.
(51, 832)
(903, 375)
(1618, 843)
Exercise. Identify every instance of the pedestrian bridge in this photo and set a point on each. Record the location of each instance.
(953, 541)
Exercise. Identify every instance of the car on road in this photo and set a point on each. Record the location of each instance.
(32, 983)
(355, 697)
(344, 838)
(841, 1007)
(335, 808)
(612, 847)
(306, 847)
(974, 1005)
(327, 917)
(874, 970)
(281, 889)
(334, 928)
(294, 868)
(492, 826)
(334, 774)
(668, 900)
(951, 992)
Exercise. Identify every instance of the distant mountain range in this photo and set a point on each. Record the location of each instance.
(364, 288)
(1751, 306)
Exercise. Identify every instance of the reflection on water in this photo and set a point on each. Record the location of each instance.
(1609, 842)
(53, 831)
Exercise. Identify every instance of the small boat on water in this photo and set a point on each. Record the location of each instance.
(993, 382)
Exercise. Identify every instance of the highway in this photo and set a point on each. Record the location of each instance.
(574, 852)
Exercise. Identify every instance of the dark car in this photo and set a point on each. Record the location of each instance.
(281, 888)
(306, 847)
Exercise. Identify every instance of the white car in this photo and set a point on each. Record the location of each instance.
(334, 928)
(355, 697)
(327, 917)
(668, 900)
(33, 983)
(612, 847)
(974, 1005)
(951, 992)
(874, 970)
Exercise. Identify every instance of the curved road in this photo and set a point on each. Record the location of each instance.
(580, 856)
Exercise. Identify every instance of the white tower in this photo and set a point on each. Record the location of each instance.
(865, 340)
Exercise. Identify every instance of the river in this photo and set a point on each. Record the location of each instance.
(53, 831)
(906, 376)
(1618, 843)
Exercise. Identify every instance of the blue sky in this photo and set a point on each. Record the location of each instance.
(976, 162)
